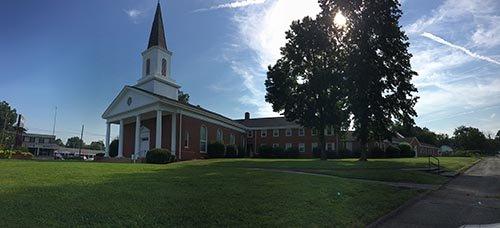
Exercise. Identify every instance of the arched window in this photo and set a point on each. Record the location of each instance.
(164, 67)
(220, 136)
(203, 139)
(148, 63)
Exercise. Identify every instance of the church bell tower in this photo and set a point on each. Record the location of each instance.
(156, 73)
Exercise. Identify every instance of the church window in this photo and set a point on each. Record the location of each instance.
(203, 139)
(148, 63)
(164, 67)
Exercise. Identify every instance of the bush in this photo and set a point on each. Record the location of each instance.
(5, 154)
(406, 150)
(22, 155)
(216, 150)
(265, 151)
(231, 151)
(113, 148)
(159, 156)
(100, 155)
(466, 153)
(392, 152)
(241, 152)
(376, 152)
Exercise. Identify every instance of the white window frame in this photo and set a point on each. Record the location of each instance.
(314, 132)
(329, 130)
(288, 145)
(250, 134)
(314, 145)
(220, 136)
(186, 140)
(302, 147)
(302, 132)
(232, 139)
(288, 132)
(276, 132)
(205, 140)
(263, 133)
(330, 144)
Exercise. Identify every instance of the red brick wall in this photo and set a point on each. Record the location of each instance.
(189, 124)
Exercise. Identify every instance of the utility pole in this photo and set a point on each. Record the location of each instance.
(54, 126)
(81, 144)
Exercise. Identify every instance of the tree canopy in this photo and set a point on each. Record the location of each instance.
(305, 84)
(74, 142)
(183, 97)
(8, 118)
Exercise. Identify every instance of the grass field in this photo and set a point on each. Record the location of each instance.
(197, 193)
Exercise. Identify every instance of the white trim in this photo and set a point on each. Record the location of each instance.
(205, 140)
(120, 142)
(288, 145)
(159, 128)
(263, 133)
(173, 134)
(303, 131)
(137, 135)
(278, 132)
(270, 128)
(288, 130)
(108, 135)
(303, 146)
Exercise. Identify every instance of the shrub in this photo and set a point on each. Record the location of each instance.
(216, 150)
(100, 155)
(392, 152)
(159, 156)
(292, 152)
(376, 152)
(231, 151)
(22, 155)
(22, 149)
(466, 153)
(5, 154)
(113, 148)
(265, 151)
(241, 152)
(406, 150)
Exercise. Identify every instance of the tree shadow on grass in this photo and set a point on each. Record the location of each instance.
(188, 195)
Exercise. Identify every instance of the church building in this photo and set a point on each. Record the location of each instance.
(150, 115)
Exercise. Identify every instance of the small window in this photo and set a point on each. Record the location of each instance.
(220, 136)
(288, 132)
(203, 139)
(276, 145)
(328, 130)
(148, 66)
(314, 132)
(164, 67)
(288, 146)
(302, 147)
(250, 134)
(301, 131)
(276, 132)
(314, 146)
(232, 139)
(263, 133)
(329, 146)
(186, 140)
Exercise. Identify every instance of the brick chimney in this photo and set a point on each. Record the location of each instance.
(247, 115)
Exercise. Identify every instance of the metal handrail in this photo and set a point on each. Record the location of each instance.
(433, 163)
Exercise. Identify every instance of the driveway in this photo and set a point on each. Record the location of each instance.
(470, 199)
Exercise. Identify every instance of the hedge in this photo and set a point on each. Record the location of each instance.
(159, 156)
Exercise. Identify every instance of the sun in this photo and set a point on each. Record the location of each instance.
(339, 19)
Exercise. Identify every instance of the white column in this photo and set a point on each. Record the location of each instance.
(173, 139)
(120, 143)
(137, 135)
(159, 115)
(108, 134)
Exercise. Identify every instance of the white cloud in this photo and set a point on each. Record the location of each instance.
(134, 14)
(232, 5)
(493, 115)
(262, 33)
(465, 50)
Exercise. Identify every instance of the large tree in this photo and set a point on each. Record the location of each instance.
(74, 142)
(305, 84)
(96, 145)
(183, 97)
(8, 118)
(378, 67)
(470, 138)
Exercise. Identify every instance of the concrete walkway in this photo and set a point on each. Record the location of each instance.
(470, 199)
(394, 184)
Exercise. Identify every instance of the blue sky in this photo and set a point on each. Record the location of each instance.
(77, 55)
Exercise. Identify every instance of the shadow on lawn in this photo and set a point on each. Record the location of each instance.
(188, 195)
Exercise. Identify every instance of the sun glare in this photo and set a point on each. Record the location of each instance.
(339, 19)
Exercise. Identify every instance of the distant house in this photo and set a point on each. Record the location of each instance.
(420, 148)
(39, 144)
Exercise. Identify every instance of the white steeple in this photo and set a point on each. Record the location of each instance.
(156, 64)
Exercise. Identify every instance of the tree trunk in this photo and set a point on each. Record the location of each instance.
(364, 151)
(322, 144)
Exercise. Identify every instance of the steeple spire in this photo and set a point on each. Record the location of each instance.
(157, 36)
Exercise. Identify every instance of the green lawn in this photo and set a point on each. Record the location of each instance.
(197, 193)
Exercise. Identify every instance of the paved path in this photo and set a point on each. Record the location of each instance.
(472, 198)
(394, 184)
